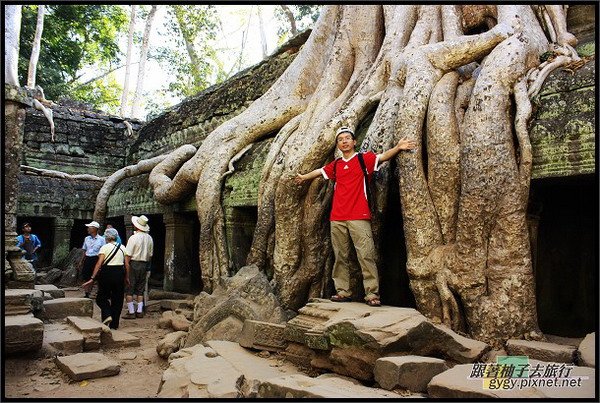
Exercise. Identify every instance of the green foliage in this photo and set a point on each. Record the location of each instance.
(304, 14)
(75, 38)
(192, 61)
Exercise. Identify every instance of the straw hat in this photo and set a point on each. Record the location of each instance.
(141, 223)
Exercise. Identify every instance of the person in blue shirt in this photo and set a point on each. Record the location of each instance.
(30, 243)
(91, 245)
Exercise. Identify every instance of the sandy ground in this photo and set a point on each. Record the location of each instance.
(38, 376)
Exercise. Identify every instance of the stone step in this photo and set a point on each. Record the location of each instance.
(409, 372)
(51, 290)
(254, 368)
(20, 301)
(98, 335)
(543, 351)
(118, 339)
(62, 307)
(90, 329)
(322, 387)
(22, 333)
(87, 366)
(62, 338)
(263, 336)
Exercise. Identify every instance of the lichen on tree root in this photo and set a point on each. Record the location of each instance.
(463, 194)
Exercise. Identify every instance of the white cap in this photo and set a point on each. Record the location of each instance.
(93, 224)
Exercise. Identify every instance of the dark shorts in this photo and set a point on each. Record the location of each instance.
(137, 278)
(88, 267)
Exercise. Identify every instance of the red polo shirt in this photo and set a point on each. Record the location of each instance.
(350, 191)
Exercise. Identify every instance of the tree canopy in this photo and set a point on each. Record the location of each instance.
(76, 37)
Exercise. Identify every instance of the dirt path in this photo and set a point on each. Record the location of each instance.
(38, 377)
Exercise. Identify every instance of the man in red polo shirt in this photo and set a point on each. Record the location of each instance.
(350, 213)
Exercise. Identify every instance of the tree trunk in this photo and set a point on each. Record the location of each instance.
(261, 28)
(12, 30)
(35, 49)
(290, 16)
(135, 112)
(463, 192)
(125, 94)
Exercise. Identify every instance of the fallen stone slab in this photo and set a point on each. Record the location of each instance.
(87, 366)
(118, 339)
(22, 301)
(171, 320)
(456, 383)
(409, 372)
(22, 333)
(567, 341)
(586, 352)
(170, 343)
(254, 368)
(51, 290)
(322, 387)
(199, 372)
(262, 336)
(63, 338)
(542, 351)
(60, 308)
(91, 330)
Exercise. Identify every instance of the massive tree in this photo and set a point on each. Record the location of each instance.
(463, 98)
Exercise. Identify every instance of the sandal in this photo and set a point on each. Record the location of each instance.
(339, 298)
(374, 302)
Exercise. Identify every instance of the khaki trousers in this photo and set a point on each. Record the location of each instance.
(359, 232)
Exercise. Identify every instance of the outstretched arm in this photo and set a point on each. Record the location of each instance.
(403, 144)
(309, 176)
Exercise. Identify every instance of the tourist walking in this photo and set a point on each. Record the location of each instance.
(91, 245)
(111, 274)
(140, 247)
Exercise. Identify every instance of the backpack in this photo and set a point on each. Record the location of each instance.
(363, 166)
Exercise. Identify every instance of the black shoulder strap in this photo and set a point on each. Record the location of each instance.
(111, 255)
(363, 166)
(334, 169)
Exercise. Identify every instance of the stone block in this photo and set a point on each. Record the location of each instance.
(90, 329)
(62, 307)
(22, 333)
(262, 335)
(22, 301)
(254, 368)
(409, 372)
(457, 384)
(63, 338)
(87, 366)
(322, 387)
(50, 289)
(586, 354)
(539, 350)
(170, 343)
(118, 338)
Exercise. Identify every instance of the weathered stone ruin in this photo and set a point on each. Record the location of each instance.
(337, 350)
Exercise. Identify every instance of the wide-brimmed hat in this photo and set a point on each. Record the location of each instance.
(141, 223)
(93, 224)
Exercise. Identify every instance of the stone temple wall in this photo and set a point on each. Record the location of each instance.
(85, 142)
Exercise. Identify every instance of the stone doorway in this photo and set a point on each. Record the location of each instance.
(566, 254)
